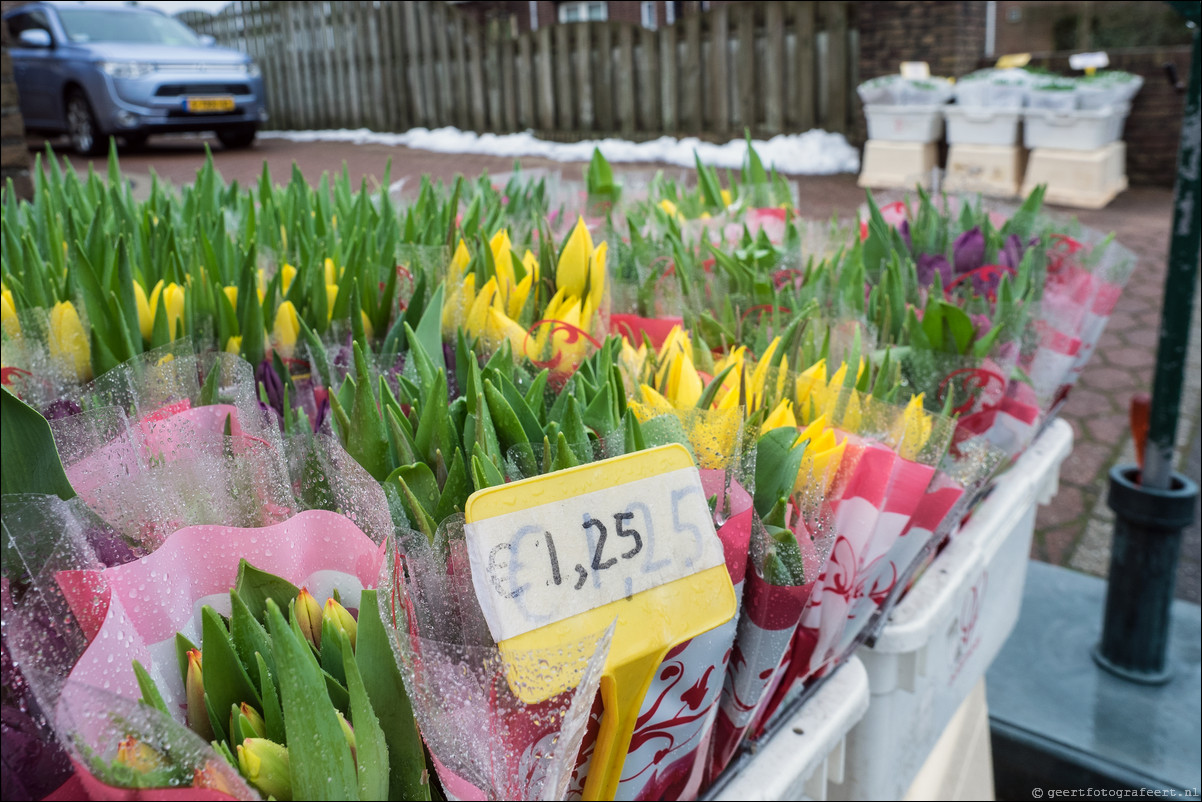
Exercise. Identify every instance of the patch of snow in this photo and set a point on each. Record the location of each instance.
(815, 152)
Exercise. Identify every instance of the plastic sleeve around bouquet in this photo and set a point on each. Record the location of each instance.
(1086, 276)
(888, 465)
(985, 398)
(173, 464)
(485, 741)
(78, 626)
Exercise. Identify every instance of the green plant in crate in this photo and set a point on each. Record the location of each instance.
(304, 699)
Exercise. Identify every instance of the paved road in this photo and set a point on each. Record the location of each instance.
(1073, 531)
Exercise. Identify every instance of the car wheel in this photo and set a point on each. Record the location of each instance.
(237, 138)
(85, 134)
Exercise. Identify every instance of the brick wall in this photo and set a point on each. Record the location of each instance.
(14, 156)
(1153, 130)
(947, 34)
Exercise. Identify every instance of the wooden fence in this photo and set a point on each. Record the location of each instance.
(391, 66)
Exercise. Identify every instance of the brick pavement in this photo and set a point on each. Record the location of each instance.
(1074, 530)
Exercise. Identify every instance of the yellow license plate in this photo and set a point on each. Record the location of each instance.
(209, 104)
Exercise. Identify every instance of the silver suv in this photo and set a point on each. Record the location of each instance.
(95, 72)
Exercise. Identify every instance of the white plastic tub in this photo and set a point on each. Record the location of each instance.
(980, 125)
(905, 123)
(807, 752)
(948, 629)
(1081, 129)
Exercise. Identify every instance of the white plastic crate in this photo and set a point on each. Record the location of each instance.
(807, 752)
(981, 125)
(1080, 129)
(904, 123)
(947, 630)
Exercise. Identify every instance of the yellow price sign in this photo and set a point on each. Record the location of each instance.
(628, 541)
(1013, 60)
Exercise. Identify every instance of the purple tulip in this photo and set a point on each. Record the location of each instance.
(929, 264)
(968, 251)
(34, 763)
(62, 408)
(265, 375)
(903, 228)
(1012, 251)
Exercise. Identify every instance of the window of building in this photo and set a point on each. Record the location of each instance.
(583, 11)
(648, 16)
(670, 12)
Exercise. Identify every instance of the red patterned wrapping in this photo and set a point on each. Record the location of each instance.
(667, 755)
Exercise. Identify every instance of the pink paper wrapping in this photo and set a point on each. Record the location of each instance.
(149, 600)
(83, 785)
(669, 749)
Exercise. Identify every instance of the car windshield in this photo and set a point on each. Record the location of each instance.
(88, 25)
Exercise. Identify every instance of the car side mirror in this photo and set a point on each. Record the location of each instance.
(36, 37)
(207, 41)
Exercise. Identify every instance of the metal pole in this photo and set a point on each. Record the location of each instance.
(1180, 279)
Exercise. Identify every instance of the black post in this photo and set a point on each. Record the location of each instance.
(1152, 509)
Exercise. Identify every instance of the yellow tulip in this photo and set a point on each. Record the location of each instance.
(822, 456)
(571, 273)
(173, 300)
(476, 318)
(368, 329)
(596, 278)
(915, 429)
(233, 345)
(69, 347)
(459, 263)
(330, 271)
(780, 416)
(145, 312)
(530, 262)
(500, 327)
(153, 306)
(286, 329)
(669, 207)
(231, 292)
(517, 298)
(287, 274)
(726, 199)
(331, 297)
(631, 362)
(265, 765)
(652, 405)
(8, 314)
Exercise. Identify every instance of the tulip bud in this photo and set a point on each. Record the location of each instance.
(331, 297)
(233, 345)
(348, 732)
(138, 756)
(287, 274)
(286, 329)
(341, 619)
(331, 272)
(213, 777)
(252, 718)
(69, 347)
(231, 292)
(194, 692)
(173, 300)
(265, 764)
(308, 617)
(8, 314)
(145, 312)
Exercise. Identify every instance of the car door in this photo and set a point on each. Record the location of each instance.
(36, 71)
